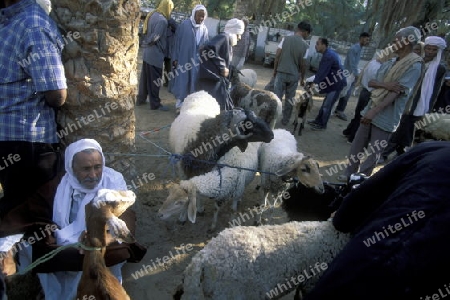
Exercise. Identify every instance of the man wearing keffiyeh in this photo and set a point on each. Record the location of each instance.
(423, 100)
(86, 173)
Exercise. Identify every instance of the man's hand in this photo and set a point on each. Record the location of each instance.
(175, 64)
(225, 72)
(394, 87)
(368, 117)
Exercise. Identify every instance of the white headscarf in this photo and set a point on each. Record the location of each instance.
(63, 285)
(199, 28)
(70, 232)
(234, 27)
(46, 5)
(430, 76)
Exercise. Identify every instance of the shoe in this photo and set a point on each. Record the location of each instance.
(349, 141)
(311, 122)
(161, 108)
(342, 178)
(340, 115)
(317, 127)
(345, 133)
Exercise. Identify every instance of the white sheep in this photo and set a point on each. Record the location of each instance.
(196, 108)
(435, 125)
(264, 262)
(248, 76)
(264, 103)
(222, 184)
(281, 157)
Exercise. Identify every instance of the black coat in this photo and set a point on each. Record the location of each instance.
(393, 254)
(210, 77)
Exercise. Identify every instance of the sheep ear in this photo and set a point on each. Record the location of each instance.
(192, 206)
(291, 165)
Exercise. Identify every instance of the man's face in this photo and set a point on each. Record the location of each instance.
(199, 16)
(304, 34)
(417, 49)
(88, 168)
(364, 40)
(399, 42)
(430, 52)
(319, 46)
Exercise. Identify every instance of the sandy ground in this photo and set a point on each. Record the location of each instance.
(174, 243)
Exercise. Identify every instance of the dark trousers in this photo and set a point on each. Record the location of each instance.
(325, 109)
(149, 84)
(352, 127)
(342, 104)
(24, 166)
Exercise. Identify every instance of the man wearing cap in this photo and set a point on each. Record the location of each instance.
(424, 98)
(396, 80)
(214, 71)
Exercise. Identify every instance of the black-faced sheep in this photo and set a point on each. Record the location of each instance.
(202, 143)
(264, 103)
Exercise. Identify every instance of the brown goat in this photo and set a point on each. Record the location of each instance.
(97, 282)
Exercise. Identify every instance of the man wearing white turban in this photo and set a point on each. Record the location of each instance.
(190, 36)
(423, 100)
(86, 174)
(214, 72)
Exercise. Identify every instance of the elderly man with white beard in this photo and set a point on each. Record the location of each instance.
(85, 175)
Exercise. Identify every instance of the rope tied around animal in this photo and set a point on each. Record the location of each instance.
(53, 253)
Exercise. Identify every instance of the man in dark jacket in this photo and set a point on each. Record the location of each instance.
(330, 79)
(213, 74)
(399, 220)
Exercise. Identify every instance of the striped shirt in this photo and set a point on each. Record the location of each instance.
(30, 64)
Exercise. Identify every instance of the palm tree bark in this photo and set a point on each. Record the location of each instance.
(100, 59)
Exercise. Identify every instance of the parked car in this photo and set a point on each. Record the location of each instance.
(274, 37)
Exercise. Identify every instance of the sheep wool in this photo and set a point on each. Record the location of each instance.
(437, 125)
(248, 77)
(196, 108)
(248, 262)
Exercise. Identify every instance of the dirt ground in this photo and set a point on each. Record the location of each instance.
(168, 237)
(169, 241)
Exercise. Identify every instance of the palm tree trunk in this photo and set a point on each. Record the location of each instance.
(100, 57)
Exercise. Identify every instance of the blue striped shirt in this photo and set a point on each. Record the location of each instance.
(30, 64)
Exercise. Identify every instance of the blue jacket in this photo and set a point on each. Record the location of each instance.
(330, 76)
